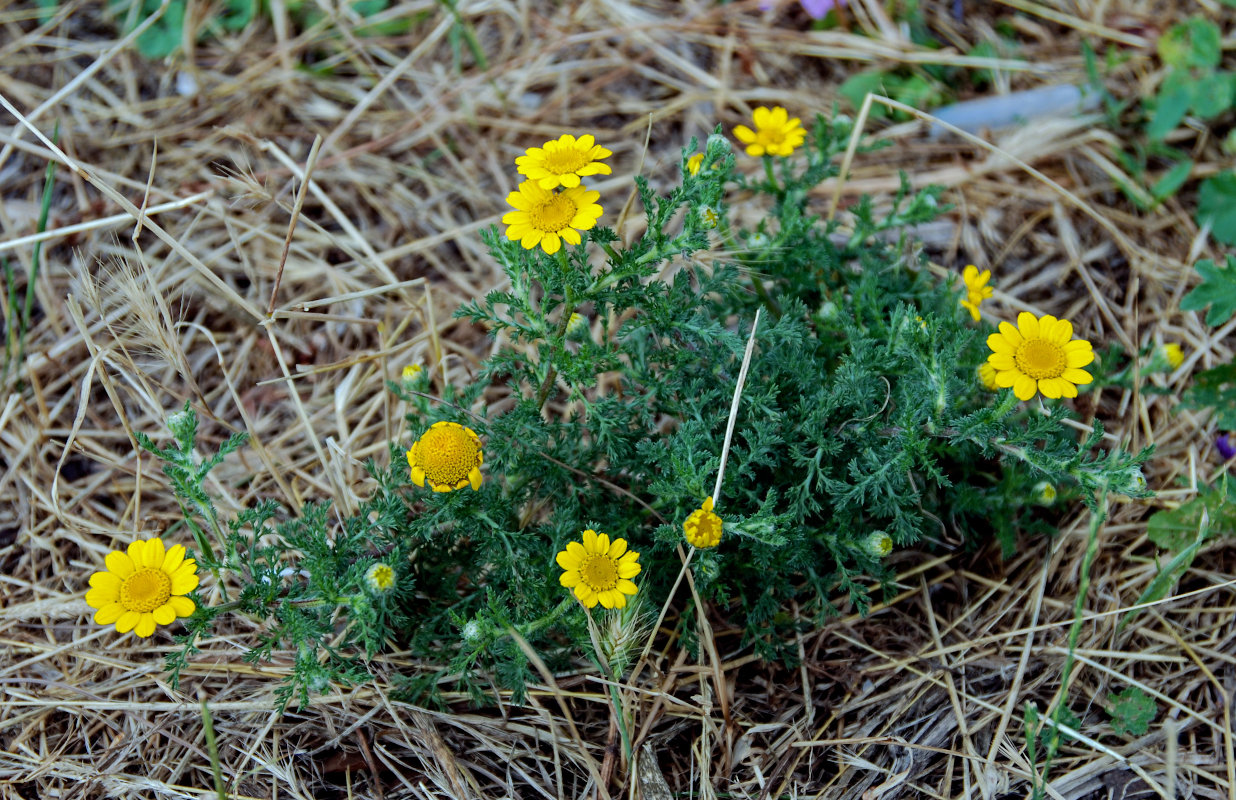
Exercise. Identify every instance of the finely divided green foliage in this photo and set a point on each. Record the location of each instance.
(861, 413)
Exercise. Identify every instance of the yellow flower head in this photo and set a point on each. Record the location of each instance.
(1039, 354)
(143, 588)
(977, 289)
(599, 571)
(448, 456)
(703, 527)
(546, 218)
(1173, 354)
(987, 374)
(694, 163)
(380, 577)
(775, 134)
(563, 162)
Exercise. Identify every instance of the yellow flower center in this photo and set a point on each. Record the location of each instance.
(770, 136)
(447, 454)
(565, 160)
(145, 590)
(553, 215)
(705, 528)
(1039, 359)
(381, 577)
(600, 573)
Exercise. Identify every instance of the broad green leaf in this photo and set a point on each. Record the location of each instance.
(1183, 530)
(1192, 44)
(1176, 529)
(1218, 286)
(1212, 95)
(1172, 180)
(1169, 104)
(857, 87)
(1132, 711)
(1215, 388)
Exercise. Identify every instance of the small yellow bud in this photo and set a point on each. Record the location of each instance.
(1044, 493)
(1174, 355)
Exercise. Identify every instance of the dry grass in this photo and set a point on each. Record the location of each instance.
(170, 221)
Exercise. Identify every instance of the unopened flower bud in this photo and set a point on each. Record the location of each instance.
(879, 544)
(1044, 493)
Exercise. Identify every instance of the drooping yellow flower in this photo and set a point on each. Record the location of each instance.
(599, 571)
(694, 163)
(775, 134)
(448, 456)
(987, 374)
(546, 218)
(977, 289)
(703, 527)
(564, 161)
(1039, 354)
(380, 577)
(143, 588)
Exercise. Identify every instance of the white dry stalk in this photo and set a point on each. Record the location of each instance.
(729, 427)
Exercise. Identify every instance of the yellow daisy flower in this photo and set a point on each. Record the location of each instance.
(563, 162)
(448, 456)
(987, 374)
(143, 588)
(546, 218)
(977, 289)
(694, 163)
(775, 134)
(703, 527)
(1039, 354)
(599, 571)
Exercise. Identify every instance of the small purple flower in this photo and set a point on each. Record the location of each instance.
(816, 9)
(1225, 445)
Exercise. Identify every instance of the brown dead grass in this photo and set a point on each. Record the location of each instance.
(171, 213)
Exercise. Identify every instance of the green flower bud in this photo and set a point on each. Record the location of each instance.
(879, 544)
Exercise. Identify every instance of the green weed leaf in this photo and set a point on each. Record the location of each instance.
(1192, 44)
(1218, 287)
(1131, 711)
(1216, 389)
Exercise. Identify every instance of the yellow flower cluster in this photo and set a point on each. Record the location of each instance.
(977, 289)
(545, 216)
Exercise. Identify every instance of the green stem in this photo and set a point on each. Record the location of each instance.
(212, 747)
(529, 628)
(768, 170)
(765, 298)
(568, 308)
(727, 236)
(28, 306)
(610, 251)
(622, 720)
(1083, 587)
